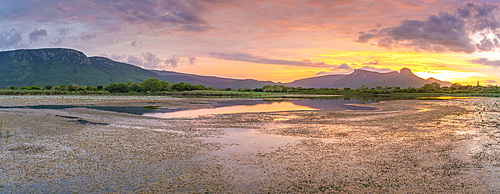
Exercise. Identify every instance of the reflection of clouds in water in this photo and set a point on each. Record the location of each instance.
(275, 106)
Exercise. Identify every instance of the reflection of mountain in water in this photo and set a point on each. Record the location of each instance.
(227, 103)
(331, 104)
(339, 103)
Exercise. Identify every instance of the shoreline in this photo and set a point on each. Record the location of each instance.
(403, 146)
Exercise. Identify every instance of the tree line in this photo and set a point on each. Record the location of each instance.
(427, 88)
(150, 85)
(155, 85)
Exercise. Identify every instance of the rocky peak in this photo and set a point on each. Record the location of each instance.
(405, 71)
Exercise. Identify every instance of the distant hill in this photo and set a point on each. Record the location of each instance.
(315, 82)
(56, 66)
(403, 79)
(212, 81)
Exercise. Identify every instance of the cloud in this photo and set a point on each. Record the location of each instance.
(62, 34)
(380, 70)
(146, 60)
(36, 34)
(445, 31)
(118, 57)
(365, 37)
(491, 81)
(192, 60)
(173, 61)
(134, 43)
(186, 15)
(150, 60)
(87, 37)
(134, 60)
(262, 60)
(324, 73)
(485, 61)
(11, 38)
(374, 62)
(344, 66)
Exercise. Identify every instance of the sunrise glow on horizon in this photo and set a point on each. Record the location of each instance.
(282, 41)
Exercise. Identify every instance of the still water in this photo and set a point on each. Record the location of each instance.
(225, 106)
(275, 106)
(255, 106)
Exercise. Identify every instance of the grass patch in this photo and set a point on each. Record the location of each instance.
(6, 133)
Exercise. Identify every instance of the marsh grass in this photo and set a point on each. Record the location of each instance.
(6, 133)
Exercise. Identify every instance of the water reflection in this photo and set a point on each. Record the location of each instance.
(249, 140)
(264, 107)
(250, 106)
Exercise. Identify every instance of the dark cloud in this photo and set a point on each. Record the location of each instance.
(173, 61)
(192, 60)
(365, 37)
(445, 31)
(487, 44)
(485, 61)
(36, 34)
(186, 15)
(11, 38)
(259, 59)
(134, 43)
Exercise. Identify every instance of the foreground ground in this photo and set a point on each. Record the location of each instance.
(403, 147)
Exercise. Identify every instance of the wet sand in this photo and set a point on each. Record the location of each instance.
(404, 146)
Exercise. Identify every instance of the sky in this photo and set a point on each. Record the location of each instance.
(272, 40)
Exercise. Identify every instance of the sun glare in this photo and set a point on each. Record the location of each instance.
(446, 75)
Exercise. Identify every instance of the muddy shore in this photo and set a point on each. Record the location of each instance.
(405, 146)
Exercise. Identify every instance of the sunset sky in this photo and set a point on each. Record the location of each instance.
(277, 40)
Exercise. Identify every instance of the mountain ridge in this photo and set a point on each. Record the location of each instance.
(56, 66)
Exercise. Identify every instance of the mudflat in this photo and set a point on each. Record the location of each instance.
(404, 146)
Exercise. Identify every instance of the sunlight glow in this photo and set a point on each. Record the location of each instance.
(445, 75)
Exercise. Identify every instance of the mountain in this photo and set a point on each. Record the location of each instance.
(403, 79)
(315, 82)
(56, 66)
(212, 81)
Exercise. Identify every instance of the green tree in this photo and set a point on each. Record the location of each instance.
(70, 88)
(165, 86)
(117, 88)
(136, 87)
(151, 85)
(48, 87)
